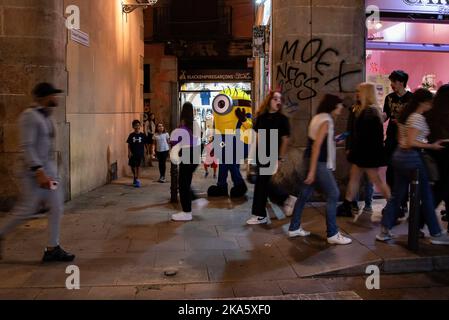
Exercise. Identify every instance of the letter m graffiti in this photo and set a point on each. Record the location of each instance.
(286, 49)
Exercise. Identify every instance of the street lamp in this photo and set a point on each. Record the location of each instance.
(130, 7)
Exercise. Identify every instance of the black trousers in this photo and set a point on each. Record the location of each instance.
(185, 186)
(264, 189)
(162, 158)
(441, 190)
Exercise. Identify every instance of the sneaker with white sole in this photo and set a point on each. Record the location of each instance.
(298, 233)
(339, 239)
(257, 220)
(182, 216)
(384, 235)
(442, 239)
(289, 206)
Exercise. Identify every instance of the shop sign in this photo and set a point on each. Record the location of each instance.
(216, 75)
(412, 6)
(259, 41)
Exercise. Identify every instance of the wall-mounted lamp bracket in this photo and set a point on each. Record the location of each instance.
(130, 7)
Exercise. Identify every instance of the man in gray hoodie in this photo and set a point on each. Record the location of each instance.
(39, 177)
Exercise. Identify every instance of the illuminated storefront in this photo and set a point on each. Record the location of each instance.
(200, 87)
(412, 35)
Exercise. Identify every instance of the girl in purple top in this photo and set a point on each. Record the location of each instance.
(186, 152)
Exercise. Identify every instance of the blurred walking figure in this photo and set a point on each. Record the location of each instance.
(394, 104)
(438, 119)
(413, 133)
(270, 119)
(39, 179)
(186, 139)
(369, 188)
(210, 160)
(161, 148)
(367, 153)
(209, 156)
(320, 161)
(149, 128)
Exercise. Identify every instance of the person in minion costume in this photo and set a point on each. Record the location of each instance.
(232, 123)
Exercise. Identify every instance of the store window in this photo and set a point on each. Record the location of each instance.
(420, 48)
(202, 94)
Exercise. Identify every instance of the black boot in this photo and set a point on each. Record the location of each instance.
(239, 190)
(355, 207)
(57, 254)
(218, 191)
(345, 209)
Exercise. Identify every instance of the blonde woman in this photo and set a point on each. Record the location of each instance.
(367, 152)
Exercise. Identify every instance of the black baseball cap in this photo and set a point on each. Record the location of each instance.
(45, 89)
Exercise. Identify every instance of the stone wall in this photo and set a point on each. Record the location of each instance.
(318, 48)
(164, 72)
(105, 91)
(32, 50)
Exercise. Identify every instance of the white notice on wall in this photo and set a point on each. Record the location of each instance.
(80, 37)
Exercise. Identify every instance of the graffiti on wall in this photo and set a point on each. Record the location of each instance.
(293, 74)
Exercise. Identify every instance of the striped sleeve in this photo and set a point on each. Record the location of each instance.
(417, 121)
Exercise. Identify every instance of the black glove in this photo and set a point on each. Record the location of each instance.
(240, 113)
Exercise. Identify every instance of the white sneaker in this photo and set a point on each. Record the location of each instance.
(339, 239)
(182, 216)
(298, 233)
(442, 239)
(200, 203)
(289, 205)
(257, 220)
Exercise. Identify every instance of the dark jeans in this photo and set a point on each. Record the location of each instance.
(185, 186)
(405, 162)
(264, 189)
(326, 181)
(391, 178)
(236, 176)
(162, 158)
(441, 188)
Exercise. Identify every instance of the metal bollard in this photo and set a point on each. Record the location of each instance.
(415, 212)
(174, 182)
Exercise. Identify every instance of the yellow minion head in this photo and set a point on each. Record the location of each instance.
(225, 106)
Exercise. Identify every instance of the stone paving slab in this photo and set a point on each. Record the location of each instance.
(345, 295)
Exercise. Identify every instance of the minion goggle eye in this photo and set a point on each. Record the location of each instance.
(222, 104)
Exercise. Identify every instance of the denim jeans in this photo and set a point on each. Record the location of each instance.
(405, 162)
(326, 181)
(234, 169)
